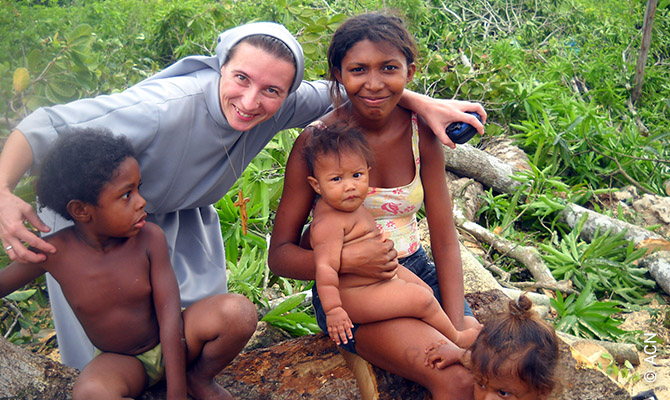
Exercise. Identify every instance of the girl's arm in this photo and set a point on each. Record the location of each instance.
(165, 291)
(373, 257)
(443, 237)
(286, 257)
(15, 159)
(439, 113)
(16, 275)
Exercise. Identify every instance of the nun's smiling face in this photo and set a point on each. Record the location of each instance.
(253, 86)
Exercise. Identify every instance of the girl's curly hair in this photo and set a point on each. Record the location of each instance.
(77, 167)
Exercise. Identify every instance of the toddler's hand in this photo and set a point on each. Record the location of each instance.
(435, 345)
(435, 356)
(339, 325)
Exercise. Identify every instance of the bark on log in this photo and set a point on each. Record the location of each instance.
(528, 256)
(573, 213)
(486, 169)
(467, 193)
(658, 265)
(473, 163)
(24, 375)
(309, 367)
(468, 161)
(621, 352)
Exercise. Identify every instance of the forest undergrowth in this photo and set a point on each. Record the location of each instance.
(555, 77)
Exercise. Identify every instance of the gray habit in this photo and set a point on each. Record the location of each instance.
(182, 140)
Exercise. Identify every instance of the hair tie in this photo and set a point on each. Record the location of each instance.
(516, 308)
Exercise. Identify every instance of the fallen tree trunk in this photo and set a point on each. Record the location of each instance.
(309, 367)
(486, 169)
(658, 265)
(621, 352)
(528, 256)
(573, 213)
(490, 171)
(468, 161)
(24, 375)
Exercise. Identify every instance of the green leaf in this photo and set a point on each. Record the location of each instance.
(34, 60)
(285, 306)
(21, 295)
(309, 49)
(61, 90)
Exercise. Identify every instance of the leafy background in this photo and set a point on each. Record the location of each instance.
(555, 76)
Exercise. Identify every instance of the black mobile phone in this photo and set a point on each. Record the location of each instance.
(460, 132)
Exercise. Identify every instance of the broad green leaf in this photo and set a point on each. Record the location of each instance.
(285, 306)
(21, 295)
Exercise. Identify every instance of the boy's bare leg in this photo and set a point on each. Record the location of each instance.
(397, 298)
(216, 330)
(111, 376)
(399, 346)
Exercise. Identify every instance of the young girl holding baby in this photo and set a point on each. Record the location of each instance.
(372, 57)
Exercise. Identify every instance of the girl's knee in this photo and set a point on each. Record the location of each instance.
(89, 389)
(111, 376)
(238, 312)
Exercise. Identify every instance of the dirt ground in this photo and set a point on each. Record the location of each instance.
(653, 373)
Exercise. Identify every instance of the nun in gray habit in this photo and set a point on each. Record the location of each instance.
(189, 157)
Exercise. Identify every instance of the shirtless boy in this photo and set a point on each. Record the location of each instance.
(115, 272)
(339, 160)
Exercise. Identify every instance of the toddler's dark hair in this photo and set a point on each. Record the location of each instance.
(337, 139)
(522, 338)
(375, 27)
(80, 163)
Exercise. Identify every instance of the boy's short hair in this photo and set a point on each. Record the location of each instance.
(336, 139)
(77, 167)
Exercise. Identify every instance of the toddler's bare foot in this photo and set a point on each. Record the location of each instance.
(207, 389)
(467, 337)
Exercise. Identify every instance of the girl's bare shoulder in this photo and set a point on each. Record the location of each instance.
(151, 233)
(60, 237)
(152, 229)
(426, 135)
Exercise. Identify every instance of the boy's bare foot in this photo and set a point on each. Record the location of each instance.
(467, 337)
(206, 390)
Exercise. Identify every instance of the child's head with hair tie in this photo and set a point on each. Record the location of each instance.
(515, 355)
